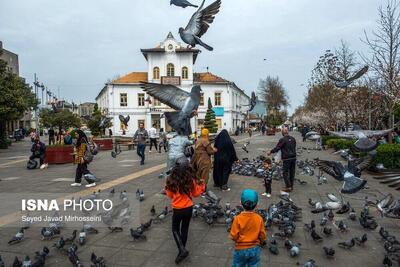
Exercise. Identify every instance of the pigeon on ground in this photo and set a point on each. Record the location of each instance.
(342, 83)
(17, 237)
(199, 24)
(324, 220)
(310, 227)
(353, 215)
(112, 193)
(331, 215)
(344, 209)
(182, 3)
(185, 104)
(316, 237)
(89, 229)
(137, 235)
(327, 231)
(72, 238)
(82, 238)
(361, 240)
(2, 264)
(153, 211)
(97, 261)
(47, 233)
(141, 196)
(329, 252)
(347, 244)
(387, 262)
(60, 243)
(16, 263)
(342, 226)
(40, 257)
(115, 229)
(310, 263)
(273, 247)
(73, 258)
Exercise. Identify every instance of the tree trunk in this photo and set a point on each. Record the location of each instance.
(3, 135)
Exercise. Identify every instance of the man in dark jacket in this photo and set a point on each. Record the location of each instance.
(51, 136)
(38, 150)
(140, 137)
(287, 146)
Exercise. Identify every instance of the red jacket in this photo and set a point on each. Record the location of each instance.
(179, 201)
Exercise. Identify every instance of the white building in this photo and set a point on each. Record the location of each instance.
(171, 63)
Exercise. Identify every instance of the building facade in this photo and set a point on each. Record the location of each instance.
(171, 63)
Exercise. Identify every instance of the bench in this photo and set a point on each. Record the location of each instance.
(126, 143)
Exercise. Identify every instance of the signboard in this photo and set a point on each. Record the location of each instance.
(219, 111)
(173, 80)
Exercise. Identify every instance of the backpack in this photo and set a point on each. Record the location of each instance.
(89, 154)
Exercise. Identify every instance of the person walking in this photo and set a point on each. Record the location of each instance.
(140, 137)
(181, 187)
(153, 137)
(163, 141)
(201, 160)
(38, 150)
(287, 146)
(80, 148)
(223, 160)
(51, 136)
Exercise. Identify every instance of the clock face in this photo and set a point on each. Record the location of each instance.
(170, 47)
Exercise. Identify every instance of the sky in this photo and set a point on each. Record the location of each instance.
(75, 46)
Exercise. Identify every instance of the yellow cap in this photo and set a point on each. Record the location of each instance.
(204, 132)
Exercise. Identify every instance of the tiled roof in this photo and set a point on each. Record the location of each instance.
(208, 77)
(133, 77)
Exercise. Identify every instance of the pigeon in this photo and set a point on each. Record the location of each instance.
(342, 226)
(331, 215)
(141, 196)
(115, 229)
(312, 202)
(361, 240)
(27, 262)
(73, 258)
(253, 102)
(342, 83)
(40, 257)
(316, 237)
(387, 262)
(17, 237)
(72, 238)
(273, 247)
(2, 264)
(185, 104)
(329, 252)
(182, 3)
(82, 238)
(137, 235)
(60, 243)
(353, 215)
(91, 178)
(324, 220)
(124, 120)
(123, 194)
(47, 233)
(16, 263)
(138, 194)
(199, 24)
(89, 229)
(153, 211)
(244, 147)
(310, 227)
(327, 231)
(310, 263)
(112, 193)
(348, 175)
(347, 244)
(97, 261)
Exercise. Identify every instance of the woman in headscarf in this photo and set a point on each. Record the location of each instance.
(81, 164)
(201, 160)
(223, 160)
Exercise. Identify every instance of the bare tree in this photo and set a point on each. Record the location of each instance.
(384, 44)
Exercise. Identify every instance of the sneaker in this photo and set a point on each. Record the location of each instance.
(225, 188)
(90, 185)
(149, 151)
(76, 184)
(44, 166)
(266, 195)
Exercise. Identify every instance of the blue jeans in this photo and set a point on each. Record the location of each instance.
(140, 151)
(247, 257)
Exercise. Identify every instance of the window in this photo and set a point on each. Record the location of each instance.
(217, 99)
(141, 100)
(201, 99)
(156, 73)
(123, 99)
(185, 73)
(156, 102)
(170, 70)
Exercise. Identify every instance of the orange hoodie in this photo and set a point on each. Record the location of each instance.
(247, 230)
(179, 201)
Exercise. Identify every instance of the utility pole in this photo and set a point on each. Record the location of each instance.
(36, 92)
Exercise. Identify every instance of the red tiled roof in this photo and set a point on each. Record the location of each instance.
(208, 77)
(133, 77)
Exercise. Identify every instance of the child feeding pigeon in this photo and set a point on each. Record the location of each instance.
(181, 187)
(248, 232)
(267, 164)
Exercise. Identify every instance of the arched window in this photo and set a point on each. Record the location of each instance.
(156, 73)
(185, 73)
(170, 70)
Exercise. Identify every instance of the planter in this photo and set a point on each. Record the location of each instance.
(104, 143)
(270, 132)
(59, 154)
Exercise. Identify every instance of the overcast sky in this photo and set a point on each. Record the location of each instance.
(76, 45)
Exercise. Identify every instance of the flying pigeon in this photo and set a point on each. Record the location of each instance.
(124, 120)
(391, 179)
(363, 143)
(341, 83)
(245, 145)
(350, 175)
(182, 3)
(105, 122)
(185, 104)
(253, 102)
(199, 24)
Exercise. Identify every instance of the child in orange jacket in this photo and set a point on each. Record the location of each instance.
(248, 232)
(181, 187)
